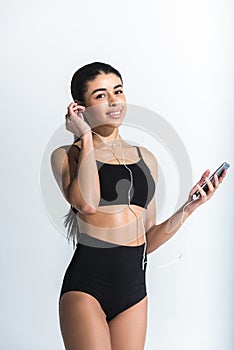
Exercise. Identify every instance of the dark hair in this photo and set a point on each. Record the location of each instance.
(71, 225)
(88, 73)
(79, 85)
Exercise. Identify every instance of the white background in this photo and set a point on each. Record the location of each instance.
(176, 58)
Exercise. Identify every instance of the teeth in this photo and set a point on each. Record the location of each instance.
(114, 113)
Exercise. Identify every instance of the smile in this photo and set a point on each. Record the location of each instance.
(114, 114)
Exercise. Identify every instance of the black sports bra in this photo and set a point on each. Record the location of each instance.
(115, 181)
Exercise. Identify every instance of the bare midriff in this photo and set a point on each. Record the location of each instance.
(118, 224)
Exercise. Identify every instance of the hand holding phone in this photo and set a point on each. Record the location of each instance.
(204, 186)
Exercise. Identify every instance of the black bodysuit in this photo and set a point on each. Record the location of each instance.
(113, 273)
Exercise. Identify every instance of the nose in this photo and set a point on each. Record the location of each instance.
(113, 100)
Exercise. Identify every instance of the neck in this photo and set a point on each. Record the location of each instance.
(107, 135)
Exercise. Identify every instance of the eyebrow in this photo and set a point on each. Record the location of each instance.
(104, 89)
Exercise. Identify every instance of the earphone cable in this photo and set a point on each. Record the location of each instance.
(129, 194)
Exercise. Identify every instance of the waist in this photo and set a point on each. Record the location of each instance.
(93, 242)
(120, 226)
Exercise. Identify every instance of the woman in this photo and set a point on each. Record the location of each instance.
(110, 186)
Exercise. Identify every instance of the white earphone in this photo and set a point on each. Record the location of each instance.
(129, 194)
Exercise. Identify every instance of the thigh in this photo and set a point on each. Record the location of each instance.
(128, 329)
(83, 322)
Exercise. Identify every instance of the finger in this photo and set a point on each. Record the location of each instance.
(76, 110)
(216, 181)
(70, 112)
(81, 108)
(204, 175)
(202, 193)
(209, 184)
(72, 105)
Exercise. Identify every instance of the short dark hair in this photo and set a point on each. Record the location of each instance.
(88, 73)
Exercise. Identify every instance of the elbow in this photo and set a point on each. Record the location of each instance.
(85, 209)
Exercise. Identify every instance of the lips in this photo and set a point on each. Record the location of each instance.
(114, 113)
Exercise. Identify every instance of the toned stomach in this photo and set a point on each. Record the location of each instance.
(118, 224)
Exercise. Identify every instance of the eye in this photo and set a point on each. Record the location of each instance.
(100, 96)
(117, 92)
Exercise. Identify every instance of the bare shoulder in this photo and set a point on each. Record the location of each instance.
(65, 151)
(151, 161)
(146, 153)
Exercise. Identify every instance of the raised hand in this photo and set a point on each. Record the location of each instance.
(75, 120)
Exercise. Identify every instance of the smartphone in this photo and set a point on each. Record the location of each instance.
(204, 186)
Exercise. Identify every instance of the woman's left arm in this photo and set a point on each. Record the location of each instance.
(156, 235)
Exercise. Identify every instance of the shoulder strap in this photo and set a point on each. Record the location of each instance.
(138, 151)
(77, 146)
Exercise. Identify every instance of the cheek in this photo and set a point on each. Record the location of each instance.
(93, 102)
(122, 98)
(96, 112)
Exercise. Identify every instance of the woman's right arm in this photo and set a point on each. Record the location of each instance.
(84, 192)
(77, 175)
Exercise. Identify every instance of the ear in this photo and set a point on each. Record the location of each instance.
(80, 103)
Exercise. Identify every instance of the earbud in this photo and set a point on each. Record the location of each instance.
(194, 197)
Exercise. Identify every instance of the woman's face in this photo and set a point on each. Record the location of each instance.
(105, 101)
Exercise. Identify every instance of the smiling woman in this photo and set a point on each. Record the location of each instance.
(105, 98)
(110, 186)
